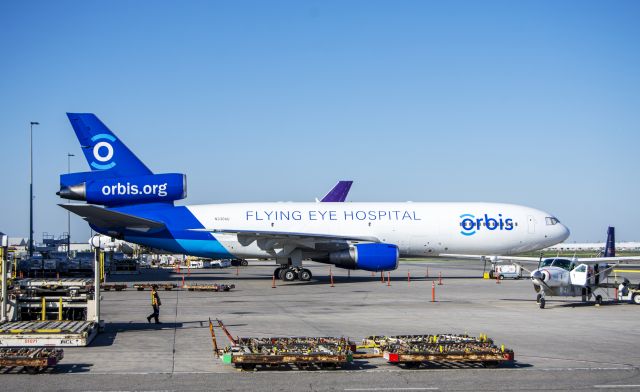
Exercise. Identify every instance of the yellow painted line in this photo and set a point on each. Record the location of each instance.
(633, 271)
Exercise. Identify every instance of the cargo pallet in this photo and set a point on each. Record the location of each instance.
(47, 333)
(32, 360)
(210, 287)
(302, 352)
(113, 286)
(165, 286)
(414, 350)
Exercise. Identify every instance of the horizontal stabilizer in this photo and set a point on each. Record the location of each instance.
(110, 219)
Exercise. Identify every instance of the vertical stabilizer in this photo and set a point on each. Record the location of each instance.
(610, 246)
(338, 193)
(103, 150)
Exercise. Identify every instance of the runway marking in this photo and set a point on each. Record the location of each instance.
(617, 386)
(394, 389)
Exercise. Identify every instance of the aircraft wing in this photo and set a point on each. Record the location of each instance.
(275, 239)
(525, 259)
(616, 259)
(109, 219)
(492, 258)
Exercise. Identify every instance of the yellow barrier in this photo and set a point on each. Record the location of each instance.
(633, 271)
(44, 309)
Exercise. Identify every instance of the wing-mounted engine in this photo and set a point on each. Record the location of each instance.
(368, 257)
(96, 189)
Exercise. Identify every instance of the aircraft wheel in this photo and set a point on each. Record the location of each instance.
(289, 275)
(304, 275)
(541, 303)
(635, 299)
(538, 298)
(599, 299)
(281, 273)
(276, 273)
(244, 263)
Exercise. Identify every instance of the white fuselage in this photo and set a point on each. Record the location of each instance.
(418, 229)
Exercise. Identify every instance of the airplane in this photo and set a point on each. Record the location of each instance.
(126, 200)
(569, 277)
(337, 194)
(577, 276)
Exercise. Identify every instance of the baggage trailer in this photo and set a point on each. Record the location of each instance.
(113, 286)
(415, 350)
(33, 360)
(210, 287)
(301, 352)
(166, 286)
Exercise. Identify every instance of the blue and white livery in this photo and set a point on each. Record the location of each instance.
(127, 201)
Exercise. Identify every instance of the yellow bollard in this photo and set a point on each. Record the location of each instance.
(44, 309)
(60, 309)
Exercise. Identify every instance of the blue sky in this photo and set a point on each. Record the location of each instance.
(528, 102)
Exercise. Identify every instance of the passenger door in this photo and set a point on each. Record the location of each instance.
(579, 275)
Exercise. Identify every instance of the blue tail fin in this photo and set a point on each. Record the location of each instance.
(103, 150)
(610, 246)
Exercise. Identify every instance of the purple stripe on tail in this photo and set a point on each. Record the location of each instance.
(339, 192)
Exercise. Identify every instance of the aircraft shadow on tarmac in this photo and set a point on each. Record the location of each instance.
(111, 330)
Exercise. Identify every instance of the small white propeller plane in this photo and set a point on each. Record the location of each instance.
(562, 277)
(570, 277)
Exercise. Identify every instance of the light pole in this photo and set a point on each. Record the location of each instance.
(31, 188)
(69, 155)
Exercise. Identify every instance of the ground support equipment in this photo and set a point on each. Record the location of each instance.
(414, 350)
(47, 333)
(301, 352)
(210, 287)
(166, 286)
(113, 286)
(33, 360)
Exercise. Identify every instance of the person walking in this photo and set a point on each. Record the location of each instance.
(155, 303)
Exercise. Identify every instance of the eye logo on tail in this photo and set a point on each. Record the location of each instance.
(103, 151)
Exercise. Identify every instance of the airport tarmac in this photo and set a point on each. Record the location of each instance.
(567, 346)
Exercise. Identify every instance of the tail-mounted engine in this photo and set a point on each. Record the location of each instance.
(123, 190)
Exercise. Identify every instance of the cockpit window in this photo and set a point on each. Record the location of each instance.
(560, 263)
(550, 220)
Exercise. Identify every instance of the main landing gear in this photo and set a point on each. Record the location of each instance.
(289, 274)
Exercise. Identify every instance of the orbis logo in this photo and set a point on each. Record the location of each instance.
(471, 225)
(103, 152)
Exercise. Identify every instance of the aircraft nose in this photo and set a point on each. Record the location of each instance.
(564, 232)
